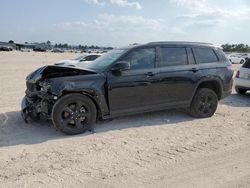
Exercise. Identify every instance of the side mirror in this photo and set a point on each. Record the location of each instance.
(121, 66)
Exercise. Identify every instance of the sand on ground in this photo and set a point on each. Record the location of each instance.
(159, 149)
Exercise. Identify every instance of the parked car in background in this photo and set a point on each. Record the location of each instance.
(130, 80)
(245, 56)
(236, 58)
(56, 50)
(242, 78)
(5, 48)
(38, 49)
(227, 53)
(25, 50)
(85, 59)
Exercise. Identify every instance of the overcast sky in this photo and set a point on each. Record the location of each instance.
(122, 22)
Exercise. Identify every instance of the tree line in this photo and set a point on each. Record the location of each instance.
(80, 47)
(49, 45)
(242, 48)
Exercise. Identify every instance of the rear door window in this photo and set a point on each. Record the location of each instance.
(205, 55)
(173, 56)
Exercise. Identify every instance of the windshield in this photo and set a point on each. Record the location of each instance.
(104, 61)
(79, 58)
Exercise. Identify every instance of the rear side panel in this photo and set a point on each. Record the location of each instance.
(219, 71)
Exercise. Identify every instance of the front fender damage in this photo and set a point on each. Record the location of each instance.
(93, 89)
(42, 93)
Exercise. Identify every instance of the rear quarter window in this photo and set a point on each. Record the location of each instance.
(221, 55)
(205, 55)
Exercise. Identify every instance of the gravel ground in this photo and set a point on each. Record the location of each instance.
(160, 149)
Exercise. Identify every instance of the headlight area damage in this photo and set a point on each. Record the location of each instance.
(46, 85)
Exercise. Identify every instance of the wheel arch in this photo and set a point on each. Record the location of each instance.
(214, 84)
(91, 94)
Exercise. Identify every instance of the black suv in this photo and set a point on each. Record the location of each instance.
(134, 79)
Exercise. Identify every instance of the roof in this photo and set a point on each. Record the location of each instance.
(180, 43)
(184, 43)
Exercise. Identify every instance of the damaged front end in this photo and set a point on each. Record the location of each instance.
(42, 91)
(37, 104)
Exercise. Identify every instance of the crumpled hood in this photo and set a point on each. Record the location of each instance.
(53, 71)
(70, 62)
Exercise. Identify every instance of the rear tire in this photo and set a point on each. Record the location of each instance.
(240, 90)
(204, 103)
(74, 114)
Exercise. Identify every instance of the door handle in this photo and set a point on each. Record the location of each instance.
(194, 69)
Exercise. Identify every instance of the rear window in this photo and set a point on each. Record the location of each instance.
(247, 64)
(205, 55)
(173, 56)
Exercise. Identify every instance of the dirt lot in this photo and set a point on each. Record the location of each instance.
(161, 149)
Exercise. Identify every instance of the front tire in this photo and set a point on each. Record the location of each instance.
(74, 114)
(242, 61)
(204, 103)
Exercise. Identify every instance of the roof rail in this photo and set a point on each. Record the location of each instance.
(180, 42)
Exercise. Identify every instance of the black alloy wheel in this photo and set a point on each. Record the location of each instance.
(204, 103)
(74, 114)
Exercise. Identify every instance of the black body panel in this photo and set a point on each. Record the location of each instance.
(130, 91)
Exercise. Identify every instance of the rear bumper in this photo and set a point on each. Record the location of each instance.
(242, 82)
(227, 86)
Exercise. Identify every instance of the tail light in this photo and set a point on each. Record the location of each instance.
(230, 67)
(237, 74)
